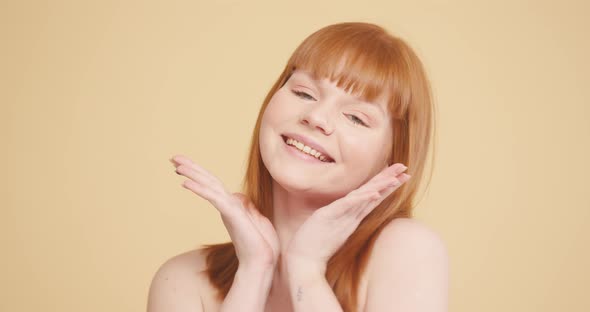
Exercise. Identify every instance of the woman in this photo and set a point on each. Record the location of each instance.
(324, 222)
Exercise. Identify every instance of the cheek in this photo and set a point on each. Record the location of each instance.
(364, 155)
(278, 111)
(276, 115)
(361, 147)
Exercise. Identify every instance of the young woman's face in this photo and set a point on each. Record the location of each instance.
(354, 135)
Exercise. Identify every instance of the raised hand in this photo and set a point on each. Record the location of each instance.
(320, 236)
(253, 235)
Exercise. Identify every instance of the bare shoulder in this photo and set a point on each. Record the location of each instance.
(410, 232)
(406, 238)
(408, 268)
(178, 284)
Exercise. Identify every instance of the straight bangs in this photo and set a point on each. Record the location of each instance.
(363, 62)
(374, 66)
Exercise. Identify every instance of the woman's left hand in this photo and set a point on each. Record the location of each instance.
(324, 232)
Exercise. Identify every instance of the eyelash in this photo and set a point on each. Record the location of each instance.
(303, 95)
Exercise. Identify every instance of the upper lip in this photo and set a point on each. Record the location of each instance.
(309, 142)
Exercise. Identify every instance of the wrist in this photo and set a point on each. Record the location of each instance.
(263, 272)
(249, 290)
(298, 266)
(304, 263)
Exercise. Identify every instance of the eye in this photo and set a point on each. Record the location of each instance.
(357, 120)
(303, 95)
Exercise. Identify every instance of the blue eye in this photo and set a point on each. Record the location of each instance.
(354, 119)
(357, 120)
(303, 95)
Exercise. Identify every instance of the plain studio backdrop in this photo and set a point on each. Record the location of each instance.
(97, 96)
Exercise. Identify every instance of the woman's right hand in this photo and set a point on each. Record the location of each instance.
(253, 235)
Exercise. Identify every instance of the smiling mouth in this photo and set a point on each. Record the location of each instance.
(311, 152)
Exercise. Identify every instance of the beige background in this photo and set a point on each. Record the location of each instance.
(96, 96)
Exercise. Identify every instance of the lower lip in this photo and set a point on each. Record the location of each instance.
(306, 157)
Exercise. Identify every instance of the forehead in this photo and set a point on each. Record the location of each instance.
(303, 75)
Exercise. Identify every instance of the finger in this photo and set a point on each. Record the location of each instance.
(358, 199)
(388, 173)
(388, 182)
(178, 160)
(195, 175)
(174, 162)
(397, 178)
(203, 179)
(182, 160)
(374, 201)
(394, 169)
(348, 204)
(404, 177)
(221, 202)
(397, 182)
(368, 200)
(207, 194)
(366, 203)
(383, 189)
(380, 195)
(214, 180)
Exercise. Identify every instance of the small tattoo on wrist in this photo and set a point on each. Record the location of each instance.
(299, 293)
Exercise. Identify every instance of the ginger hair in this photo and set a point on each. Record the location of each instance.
(367, 61)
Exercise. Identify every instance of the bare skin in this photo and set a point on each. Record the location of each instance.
(179, 284)
(257, 244)
(317, 205)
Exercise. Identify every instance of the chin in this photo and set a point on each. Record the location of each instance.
(291, 178)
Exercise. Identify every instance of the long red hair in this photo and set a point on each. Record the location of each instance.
(367, 61)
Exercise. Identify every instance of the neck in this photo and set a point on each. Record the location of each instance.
(290, 211)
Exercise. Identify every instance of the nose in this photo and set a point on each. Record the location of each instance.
(318, 117)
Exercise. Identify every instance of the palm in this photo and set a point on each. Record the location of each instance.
(324, 232)
(261, 223)
(253, 236)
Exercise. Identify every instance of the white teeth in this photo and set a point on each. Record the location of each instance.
(306, 149)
